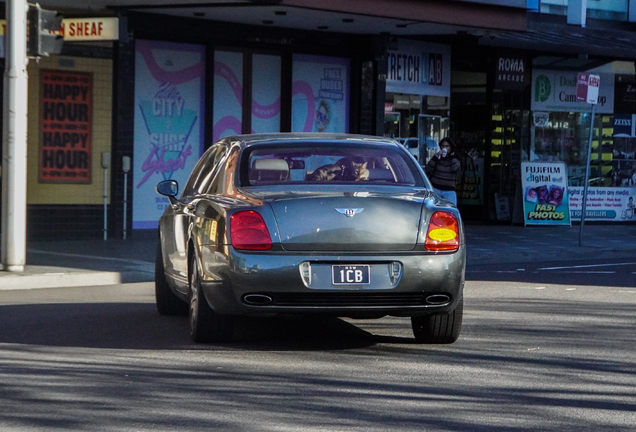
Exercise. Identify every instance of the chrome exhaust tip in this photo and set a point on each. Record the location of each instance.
(257, 299)
(437, 299)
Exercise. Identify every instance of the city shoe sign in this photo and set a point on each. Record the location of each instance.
(556, 91)
(418, 68)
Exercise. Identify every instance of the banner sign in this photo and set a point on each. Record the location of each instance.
(604, 203)
(66, 109)
(557, 91)
(470, 184)
(320, 94)
(419, 68)
(511, 73)
(168, 135)
(545, 193)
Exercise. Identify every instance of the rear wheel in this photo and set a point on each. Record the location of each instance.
(439, 329)
(167, 302)
(205, 324)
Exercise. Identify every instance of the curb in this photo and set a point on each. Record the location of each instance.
(37, 277)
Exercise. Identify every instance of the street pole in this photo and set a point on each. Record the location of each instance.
(587, 174)
(14, 139)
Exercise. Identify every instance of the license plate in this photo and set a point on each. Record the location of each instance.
(350, 274)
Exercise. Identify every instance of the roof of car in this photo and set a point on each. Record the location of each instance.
(306, 136)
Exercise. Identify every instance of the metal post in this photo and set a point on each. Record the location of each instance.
(125, 167)
(14, 139)
(105, 165)
(587, 174)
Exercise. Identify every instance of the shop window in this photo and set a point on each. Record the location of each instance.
(266, 89)
(228, 94)
(320, 94)
(564, 137)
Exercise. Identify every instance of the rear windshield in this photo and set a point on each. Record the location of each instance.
(320, 163)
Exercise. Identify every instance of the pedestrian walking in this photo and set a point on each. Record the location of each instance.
(442, 170)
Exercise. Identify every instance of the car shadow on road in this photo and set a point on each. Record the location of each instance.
(139, 326)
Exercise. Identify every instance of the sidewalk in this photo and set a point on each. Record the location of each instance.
(105, 262)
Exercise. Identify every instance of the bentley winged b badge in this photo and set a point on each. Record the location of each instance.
(349, 212)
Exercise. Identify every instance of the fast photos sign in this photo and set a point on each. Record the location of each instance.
(66, 107)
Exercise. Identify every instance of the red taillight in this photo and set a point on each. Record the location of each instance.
(249, 232)
(443, 232)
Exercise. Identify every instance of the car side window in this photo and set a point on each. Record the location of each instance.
(204, 170)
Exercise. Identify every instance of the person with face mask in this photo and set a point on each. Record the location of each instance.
(442, 170)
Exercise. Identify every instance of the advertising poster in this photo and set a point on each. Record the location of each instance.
(168, 136)
(545, 193)
(615, 204)
(66, 110)
(320, 94)
(470, 184)
(228, 94)
(556, 91)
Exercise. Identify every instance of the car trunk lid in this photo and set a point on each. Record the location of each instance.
(348, 222)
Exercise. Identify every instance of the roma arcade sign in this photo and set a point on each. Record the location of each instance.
(419, 68)
(511, 73)
(66, 107)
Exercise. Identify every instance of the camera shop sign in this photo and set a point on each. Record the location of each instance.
(511, 73)
(65, 127)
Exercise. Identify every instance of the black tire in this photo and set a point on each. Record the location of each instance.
(205, 324)
(167, 302)
(439, 329)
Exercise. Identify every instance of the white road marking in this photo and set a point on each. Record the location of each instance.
(590, 272)
(586, 266)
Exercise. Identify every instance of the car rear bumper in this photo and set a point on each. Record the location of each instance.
(273, 283)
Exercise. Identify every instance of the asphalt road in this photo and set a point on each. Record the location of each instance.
(532, 356)
(616, 272)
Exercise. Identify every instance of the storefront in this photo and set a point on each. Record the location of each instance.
(182, 84)
(417, 99)
(560, 132)
(69, 133)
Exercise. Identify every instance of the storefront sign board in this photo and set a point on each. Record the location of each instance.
(511, 72)
(615, 204)
(78, 29)
(557, 91)
(419, 68)
(545, 193)
(66, 117)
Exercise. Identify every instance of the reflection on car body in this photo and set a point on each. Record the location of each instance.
(257, 232)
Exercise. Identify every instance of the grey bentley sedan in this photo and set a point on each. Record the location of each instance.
(345, 225)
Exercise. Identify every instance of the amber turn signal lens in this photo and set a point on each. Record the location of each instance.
(249, 232)
(443, 232)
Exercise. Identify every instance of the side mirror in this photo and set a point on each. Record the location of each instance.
(168, 188)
